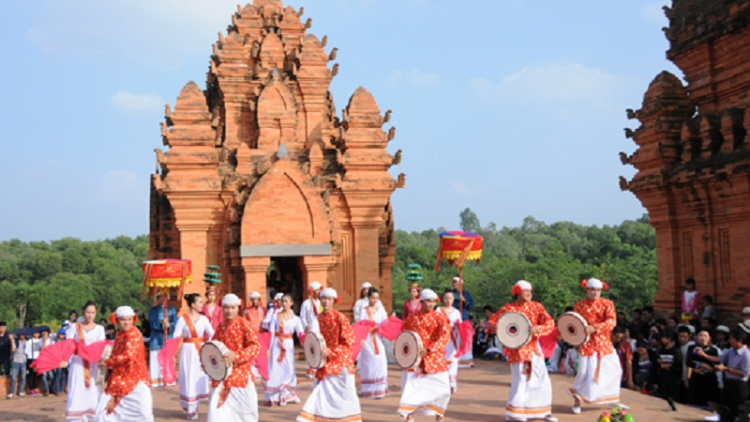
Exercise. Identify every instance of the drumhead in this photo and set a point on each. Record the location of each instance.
(212, 358)
(572, 328)
(513, 330)
(314, 346)
(406, 350)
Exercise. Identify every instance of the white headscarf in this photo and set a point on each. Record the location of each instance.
(231, 299)
(428, 294)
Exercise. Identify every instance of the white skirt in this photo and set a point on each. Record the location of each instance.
(466, 360)
(426, 394)
(82, 401)
(241, 404)
(607, 390)
(154, 369)
(450, 356)
(194, 383)
(138, 406)
(530, 398)
(282, 378)
(333, 398)
(374, 370)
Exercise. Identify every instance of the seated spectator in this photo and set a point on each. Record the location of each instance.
(702, 384)
(570, 363)
(644, 368)
(709, 310)
(670, 368)
(625, 353)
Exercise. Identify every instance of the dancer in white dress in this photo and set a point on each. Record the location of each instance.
(194, 329)
(83, 395)
(282, 379)
(372, 358)
(268, 320)
(454, 316)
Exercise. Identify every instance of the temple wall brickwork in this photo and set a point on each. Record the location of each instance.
(693, 154)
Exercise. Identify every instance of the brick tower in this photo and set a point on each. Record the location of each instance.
(693, 156)
(261, 174)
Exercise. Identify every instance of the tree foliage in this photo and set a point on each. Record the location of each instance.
(554, 257)
(42, 281)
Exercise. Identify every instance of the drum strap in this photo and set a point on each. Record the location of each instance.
(372, 334)
(86, 369)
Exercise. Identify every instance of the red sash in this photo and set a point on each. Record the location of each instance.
(372, 334)
(86, 369)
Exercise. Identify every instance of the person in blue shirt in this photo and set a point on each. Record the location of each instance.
(466, 298)
(159, 322)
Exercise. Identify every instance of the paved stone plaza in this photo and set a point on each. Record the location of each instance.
(481, 396)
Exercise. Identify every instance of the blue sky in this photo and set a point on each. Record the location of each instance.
(509, 107)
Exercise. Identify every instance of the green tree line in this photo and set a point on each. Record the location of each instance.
(40, 282)
(554, 258)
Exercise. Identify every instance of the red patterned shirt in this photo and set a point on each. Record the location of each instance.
(434, 329)
(339, 338)
(601, 315)
(240, 337)
(539, 318)
(127, 364)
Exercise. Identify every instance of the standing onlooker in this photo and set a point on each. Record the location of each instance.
(622, 319)
(746, 313)
(735, 364)
(162, 327)
(464, 300)
(18, 349)
(32, 349)
(702, 383)
(61, 374)
(636, 325)
(648, 321)
(46, 377)
(644, 368)
(709, 310)
(722, 337)
(625, 352)
(5, 347)
(670, 368)
(683, 342)
(690, 299)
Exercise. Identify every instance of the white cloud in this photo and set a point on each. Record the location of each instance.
(461, 189)
(118, 186)
(654, 13)
(414, 78)
(137, 103)
(562, 82)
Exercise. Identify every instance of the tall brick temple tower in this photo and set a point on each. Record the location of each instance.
(261, 172)
(693, 156)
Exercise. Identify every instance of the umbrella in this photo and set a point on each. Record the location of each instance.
(361, 332)
(93, 352)
(23, 331)
(51, 356)
(548, 343)
(166, 360)
(261, 361)
(390, 328)
(457, 247)
(40, 329)
(466, 331)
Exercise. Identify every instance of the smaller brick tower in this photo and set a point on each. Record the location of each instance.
(693, 156)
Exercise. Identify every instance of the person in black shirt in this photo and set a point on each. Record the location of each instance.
(644, 368)
(5, 340)
(702, 384)
(670, 368)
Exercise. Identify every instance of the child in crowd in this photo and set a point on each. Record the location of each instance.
(18, 353)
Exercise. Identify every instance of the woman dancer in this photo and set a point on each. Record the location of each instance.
(212, 309)
(83, 395)
(194, 329)
(454, 316)
(373, 362)
(282, 379)
(413, 305)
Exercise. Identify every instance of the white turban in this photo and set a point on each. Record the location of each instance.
(278, 296)
(428, 294)
(315, 285)
(366, 285)
(458, 280)
(594, 283)
(124, 312)
(254, 295)
(523, 285)
(329, 292)
(230, 300)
